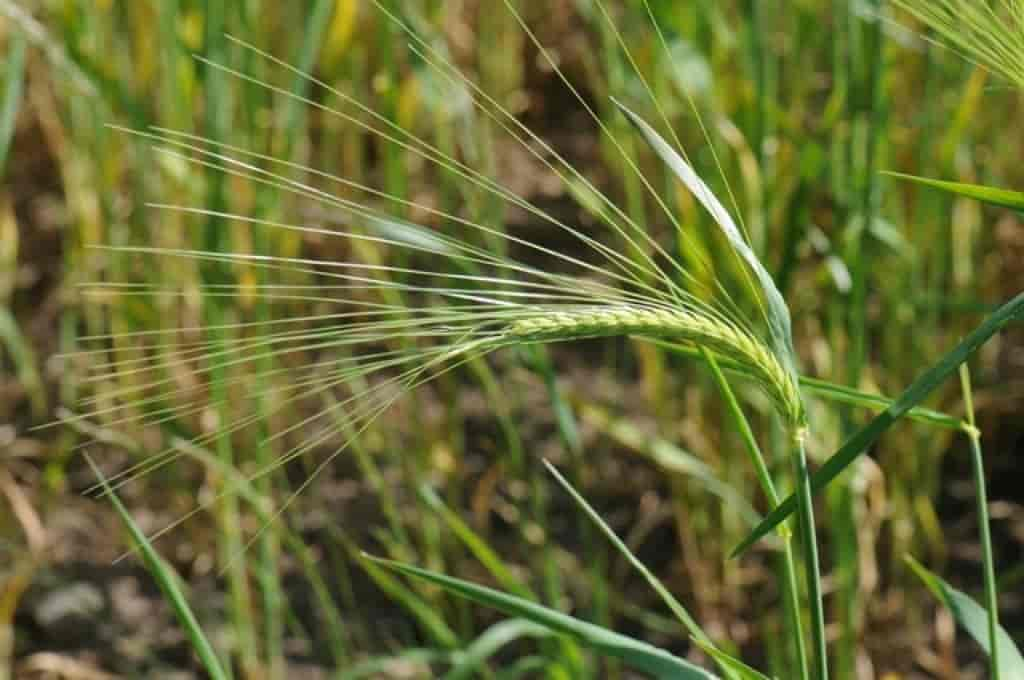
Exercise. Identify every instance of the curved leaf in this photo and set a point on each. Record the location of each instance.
(973, 617)
(777, 311)
(493, 639)
(635, 653)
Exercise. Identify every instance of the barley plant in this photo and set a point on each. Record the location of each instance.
(400, 326)
(355, 262)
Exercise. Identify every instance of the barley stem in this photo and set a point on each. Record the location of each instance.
(792, 593)
(981, 496)
(805, 511)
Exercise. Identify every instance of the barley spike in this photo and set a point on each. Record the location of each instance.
(690, 325)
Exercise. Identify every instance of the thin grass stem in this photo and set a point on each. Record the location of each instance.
(792, 593)
(805, 512)
(981, 498)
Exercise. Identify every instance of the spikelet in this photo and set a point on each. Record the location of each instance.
(692, 326)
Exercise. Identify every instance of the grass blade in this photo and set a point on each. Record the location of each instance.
(489, 643)
(476, 545)
(918, 391)
(974, 619)
(991, 195)
(635, 653)
(732, 665)
(787, 561)
(777, 311)
(169, 584)
(673, 604)
(428, 617)
(23, 358)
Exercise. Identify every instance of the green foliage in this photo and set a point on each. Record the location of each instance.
(731, 665)
(634, 653)
(919, 390)
(297, 229)
(14, 79)
(986, 194)
(170, 585)
(774, 306)
(974, 619)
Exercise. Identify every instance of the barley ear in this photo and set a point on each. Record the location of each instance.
(694, 326)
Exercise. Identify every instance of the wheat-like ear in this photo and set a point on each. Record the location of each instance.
(693, 326)
(381, 330)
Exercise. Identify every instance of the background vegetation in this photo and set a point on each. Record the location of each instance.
(805, 103)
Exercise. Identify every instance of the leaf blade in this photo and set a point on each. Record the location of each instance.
(973, 618)
(915, 393)
(670, 601)
(638, 654)
(777, 312)
(730, 664)
(168, 581)
(1005, 198)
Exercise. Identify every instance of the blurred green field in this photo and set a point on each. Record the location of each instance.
(155, 361)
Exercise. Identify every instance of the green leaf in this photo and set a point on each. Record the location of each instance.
(730, 664)
(974, 619)
(635, 653)
(23, 358)
(428, 617)
(670, 601)
(866, 436)
(476, 545)
(169, 584)
(56, 51)
(493, 639)
(991, 195)
(777, 311)
(409, 234)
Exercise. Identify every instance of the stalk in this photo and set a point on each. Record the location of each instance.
(768, 488)
(977, 462)
(805, 511)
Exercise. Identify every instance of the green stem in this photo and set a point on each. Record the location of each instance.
(805, 510)
(977, 461)
(793, 602)
(768, 487)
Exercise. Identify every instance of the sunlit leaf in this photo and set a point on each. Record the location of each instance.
(986, 194)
